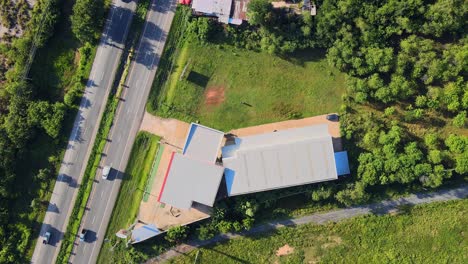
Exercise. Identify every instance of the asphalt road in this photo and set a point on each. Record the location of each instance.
(84, 130)
(126, 125)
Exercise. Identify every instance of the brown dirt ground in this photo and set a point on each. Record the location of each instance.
(214, 95)
(284, 250)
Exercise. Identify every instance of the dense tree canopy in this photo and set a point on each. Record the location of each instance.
(86, 19)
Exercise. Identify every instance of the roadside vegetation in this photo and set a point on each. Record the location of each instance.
(426, 233)
(402, 110)
(128, 202)
(36, 115)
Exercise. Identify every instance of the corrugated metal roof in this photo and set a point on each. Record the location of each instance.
(144, 232)
(218, 8)
(342, 163)
(190, 180)
(203, 143)
(279, 159)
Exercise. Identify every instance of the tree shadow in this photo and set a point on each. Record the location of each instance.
(114, 29)
(301, 57)
(147, 55)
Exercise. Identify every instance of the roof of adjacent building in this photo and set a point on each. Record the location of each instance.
(144, 232)
(189, 180)
(279, 159)
(203, 143)
(218, 8)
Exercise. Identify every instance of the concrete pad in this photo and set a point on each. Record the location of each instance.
(172, 130)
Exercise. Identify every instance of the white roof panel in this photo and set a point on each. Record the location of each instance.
(219, 8)
(203, 143)
(279, 159)
(189, 180)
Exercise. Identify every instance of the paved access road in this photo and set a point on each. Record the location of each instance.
(382, 207)
(126, 124)
(84, 129)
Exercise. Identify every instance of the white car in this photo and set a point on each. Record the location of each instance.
(46, 238)
(105, 172)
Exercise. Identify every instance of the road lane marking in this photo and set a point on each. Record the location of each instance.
(94, 218)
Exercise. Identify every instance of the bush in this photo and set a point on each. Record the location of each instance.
(205, 232)
(460, 120)
(176, 234)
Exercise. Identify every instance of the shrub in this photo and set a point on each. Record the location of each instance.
(205, 232)
(176, 234)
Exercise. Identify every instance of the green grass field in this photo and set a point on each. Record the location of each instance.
(130, 195)
(257, 87)
(434, 233)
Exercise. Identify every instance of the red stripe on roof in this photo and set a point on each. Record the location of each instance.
(165, 177)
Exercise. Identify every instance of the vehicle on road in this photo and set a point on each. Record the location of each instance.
(105, 172)
(46, 238)
(83, 234)
(333, 117)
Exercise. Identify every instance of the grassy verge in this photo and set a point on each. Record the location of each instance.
(170, 54)
(130, 195)
(101, 137)
(423, 234)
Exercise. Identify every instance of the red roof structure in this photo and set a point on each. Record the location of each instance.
(184, 2)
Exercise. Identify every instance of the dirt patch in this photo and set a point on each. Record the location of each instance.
(284, 250)
(214, 96)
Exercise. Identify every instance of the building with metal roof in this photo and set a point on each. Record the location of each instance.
(194, 176)
(227, 11)
(254, 163)
(279, 159)
(203, 143)
(189, 180)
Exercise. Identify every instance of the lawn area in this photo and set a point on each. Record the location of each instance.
(225, 87)
(131, 192)
(431, 233)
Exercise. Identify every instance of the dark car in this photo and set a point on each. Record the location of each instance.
(83, 234)
(333, 117)
(46, 238)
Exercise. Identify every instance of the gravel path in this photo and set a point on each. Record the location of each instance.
(382, 207)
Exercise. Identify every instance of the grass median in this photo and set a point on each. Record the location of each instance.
(130, 195)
